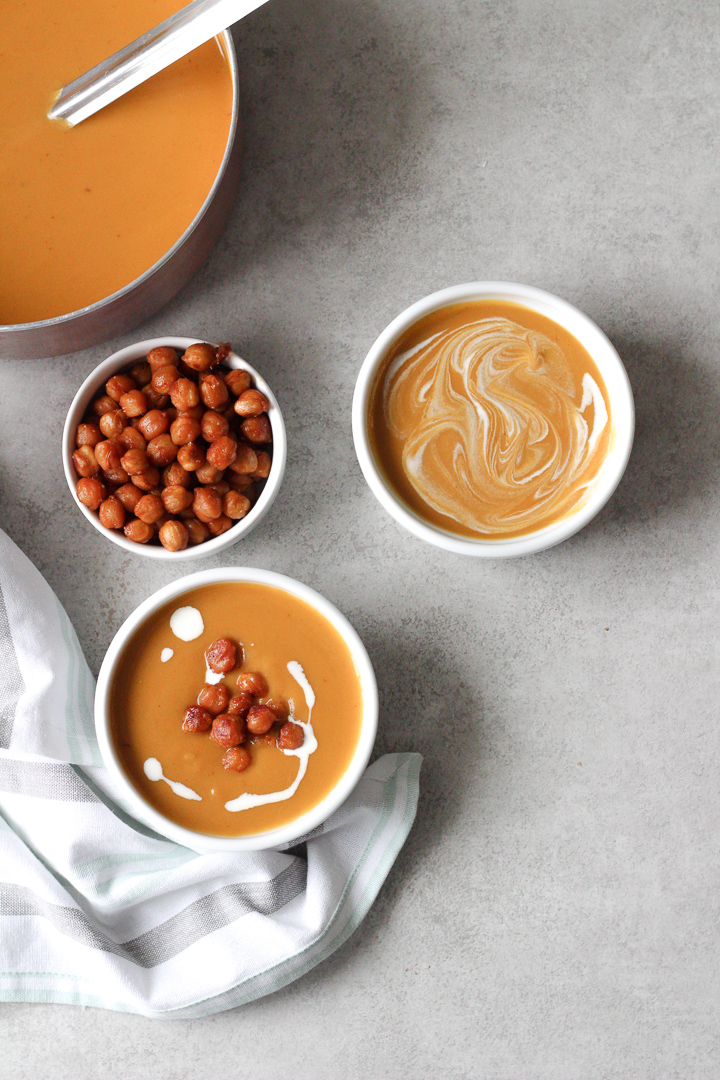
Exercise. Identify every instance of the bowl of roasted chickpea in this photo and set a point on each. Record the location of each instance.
(174, 448)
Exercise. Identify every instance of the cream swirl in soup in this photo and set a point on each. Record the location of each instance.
(490, 420)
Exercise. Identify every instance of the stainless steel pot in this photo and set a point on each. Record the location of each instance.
(143, 297)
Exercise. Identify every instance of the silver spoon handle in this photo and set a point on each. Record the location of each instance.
(144, 57)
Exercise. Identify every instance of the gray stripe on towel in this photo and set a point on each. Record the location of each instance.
(43, 780)
(177, 933)
(12, 686)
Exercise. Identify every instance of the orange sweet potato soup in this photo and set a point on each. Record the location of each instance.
(86, 210)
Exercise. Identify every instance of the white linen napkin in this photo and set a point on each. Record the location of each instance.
(95, 909)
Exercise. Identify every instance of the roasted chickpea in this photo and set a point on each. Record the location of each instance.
(235, 505)
(214, 425)
(141, 373)
(206, 504)
(240, 705)
(134, 403)
(112, 423)
(131, 439)
(184, 394)
(176, 499)
(208, 474)
(162, 356)
(222, 487)
(199, 357)
(264, 464)
(197, 531)
(222, 656)
(220, 525)
(111, 513)
(153, 423)
(222, 452)
(134, 462)
(147, 480)
(246, 460)
(116, 476)
(251, 403)
(213, 390)
(175, 476)
(129, 496)
(108, 454)
(228, 730)
(173, 536)
(257, 429)
(155, 399)
(260, 719)
(214, 698)
(163, 378)
(88, 435)
(291, 736)
(197, 719)
(238, 381)
(252, 682)
(162, 450)
(191, 457)
(243, 484)
(86, 463)
(184, 430)
(119, 385)
(103, 404)
(236, 758)
(149, 508)
(138, 531)
(90, 492)
(280, 708)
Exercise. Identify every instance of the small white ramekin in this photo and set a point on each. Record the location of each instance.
(120, 361)
(609, 364)
(306, 822)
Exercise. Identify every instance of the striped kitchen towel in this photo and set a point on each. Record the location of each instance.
(95, 909)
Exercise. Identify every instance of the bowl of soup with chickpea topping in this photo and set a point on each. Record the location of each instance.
(237, 709)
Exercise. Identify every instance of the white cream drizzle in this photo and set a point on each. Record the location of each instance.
(187, 623)
(309, 746)
(213, 677)
(166, 654)
(154, 771)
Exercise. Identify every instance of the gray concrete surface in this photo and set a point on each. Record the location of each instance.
(554, 914)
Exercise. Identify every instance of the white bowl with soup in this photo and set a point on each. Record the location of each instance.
(182, 700)
(493, 419)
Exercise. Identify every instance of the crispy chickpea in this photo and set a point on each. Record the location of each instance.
(257, 429)
(228, 730)
(252, 682)
(191, 457)
(222, 452)
(176, 499)
(199, 357)
(116, 476)
(264, 464)
(88, 435)
(134, 462)
(173, 536)
(246, 460)
(214, 425)
(197, 531)
(222, 487)
(291, 736)
(243, 484)
(184, 394)
(149, 508)
(162, 356)
(162, 450)
(197, 719)
(206, 504)
(141, 373)
(139, 531)
(208, 474)
(184, 430)
(131, 439)
(238, 381)
(260, 719)
(214, 698)
(155, 399)
(222, 656)
(119, 385)
(163, 378)
(90, 492)
(222, 352)
(153, 423)
(147, 480)
(196, 413)
(108, 454)
(112, 513)
(236, 758)
(235, 505)
(86, 463)
(240, 705)
(280, 708)
(161, 520)
(129, 496)
(133, 403)
(213, 390)
(103, 404)
(220, 525)
(113, 423)
(251, 403)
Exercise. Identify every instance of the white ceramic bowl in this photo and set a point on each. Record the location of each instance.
(609, 365)
(124, 359)
(302, 825)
